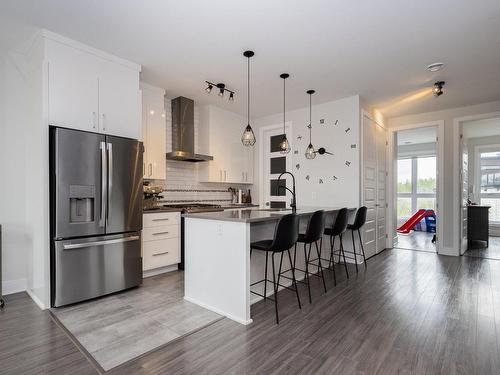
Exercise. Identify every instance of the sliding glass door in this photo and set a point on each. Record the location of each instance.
(488, 179)
(416, 186)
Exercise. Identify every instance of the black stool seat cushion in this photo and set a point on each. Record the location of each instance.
(329, 232)
(265, 245)
(351, 226)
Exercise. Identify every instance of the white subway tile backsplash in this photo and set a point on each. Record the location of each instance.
(182, 182)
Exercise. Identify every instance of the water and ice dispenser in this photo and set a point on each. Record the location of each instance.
(81, 203)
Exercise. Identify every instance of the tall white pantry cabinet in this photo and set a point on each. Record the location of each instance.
(72, 85)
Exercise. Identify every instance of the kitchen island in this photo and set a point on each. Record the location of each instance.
(218, 269)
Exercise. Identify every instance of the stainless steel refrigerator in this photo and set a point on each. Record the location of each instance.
(96, 214)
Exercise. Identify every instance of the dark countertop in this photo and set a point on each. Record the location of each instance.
(252, 215)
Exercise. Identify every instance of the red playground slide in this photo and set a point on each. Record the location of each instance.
(414, 220)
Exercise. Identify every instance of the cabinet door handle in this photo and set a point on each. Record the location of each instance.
(150, 169)
(243, 176)
(94, 120)
(103, 118)
(225, 175)
(164, 219)
(159, 233)
(220, 174)
(162, 253)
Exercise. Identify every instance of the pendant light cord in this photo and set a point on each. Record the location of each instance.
(284, 101)
(310, 117)
(248, 90)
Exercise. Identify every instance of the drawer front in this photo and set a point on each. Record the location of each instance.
(161, 253)
(160, 232)
(160, 219)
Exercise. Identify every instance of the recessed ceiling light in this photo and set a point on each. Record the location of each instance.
(435, 67)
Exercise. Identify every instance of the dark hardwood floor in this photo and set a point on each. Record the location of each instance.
(490, 252)
(410, 312)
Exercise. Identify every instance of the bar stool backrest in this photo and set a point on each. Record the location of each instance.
(360, 218)
(315, 226)
(286, 233)
(340, 224)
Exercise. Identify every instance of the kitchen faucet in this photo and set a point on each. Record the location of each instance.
(294, 199)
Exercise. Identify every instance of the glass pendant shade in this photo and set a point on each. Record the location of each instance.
(248, 137)
(284, 145)
(310, 152)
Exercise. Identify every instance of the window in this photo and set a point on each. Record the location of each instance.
(489, 180)
(416, 186)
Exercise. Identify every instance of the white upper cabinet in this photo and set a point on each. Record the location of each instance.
(73, 87)
(220, 136)
(154, 132)
(91, 90)
(119, 102)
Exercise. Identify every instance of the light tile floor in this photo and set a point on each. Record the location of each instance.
(123, 326)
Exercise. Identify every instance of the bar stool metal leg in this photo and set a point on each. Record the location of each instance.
(293, 278)
(343, 256)
(332, 260)
(306, 276)
(362, 248)
(265, 280)
(354, 250)
(275, 290)
(319, 263)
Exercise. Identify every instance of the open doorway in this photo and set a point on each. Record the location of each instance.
(416, 180)
(480, 152)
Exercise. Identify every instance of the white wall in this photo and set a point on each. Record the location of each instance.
(450, 223)
(345, 190)
(13, 183)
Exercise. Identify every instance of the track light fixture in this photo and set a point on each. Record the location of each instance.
(221, 88)
(438, 88)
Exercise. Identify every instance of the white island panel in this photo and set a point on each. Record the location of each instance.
(217, 266)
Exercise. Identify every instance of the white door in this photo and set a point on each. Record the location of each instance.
(465, 192)
(374, 186)
(73, 88)
(381, 204)
(119, 100)
(273, 164)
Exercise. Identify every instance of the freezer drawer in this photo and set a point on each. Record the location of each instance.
(92, 267)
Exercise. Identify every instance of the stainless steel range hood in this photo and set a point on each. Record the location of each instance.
(183, 132)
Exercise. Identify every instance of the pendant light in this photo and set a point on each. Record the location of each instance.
(310, 152)
(284, 144)
(248, 137)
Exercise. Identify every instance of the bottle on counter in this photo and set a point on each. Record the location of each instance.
(249, 197)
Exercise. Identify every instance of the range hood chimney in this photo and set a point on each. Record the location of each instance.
(183, 132)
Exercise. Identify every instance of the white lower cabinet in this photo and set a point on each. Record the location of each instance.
(161, 241)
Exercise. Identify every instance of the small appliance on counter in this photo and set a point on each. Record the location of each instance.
(95, 214)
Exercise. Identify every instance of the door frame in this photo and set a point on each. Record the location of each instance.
(457, 181)
(391, 181)
(262, 130)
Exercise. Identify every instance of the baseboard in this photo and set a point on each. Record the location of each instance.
(159, 271)
(36, 299)
(215, 310)
(449, 251)
(13, 286)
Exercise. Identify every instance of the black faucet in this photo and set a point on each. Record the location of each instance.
(294, 199)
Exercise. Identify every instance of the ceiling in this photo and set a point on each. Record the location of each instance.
(339, 48)
(481, 128)
(416, 136)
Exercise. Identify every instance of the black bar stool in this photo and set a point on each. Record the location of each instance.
(285, 236)
(359, 221)
(337, 230)
(313, 234)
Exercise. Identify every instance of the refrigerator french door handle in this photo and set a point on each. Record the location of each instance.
(110, 178)
(99, 243)
(104, 184)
